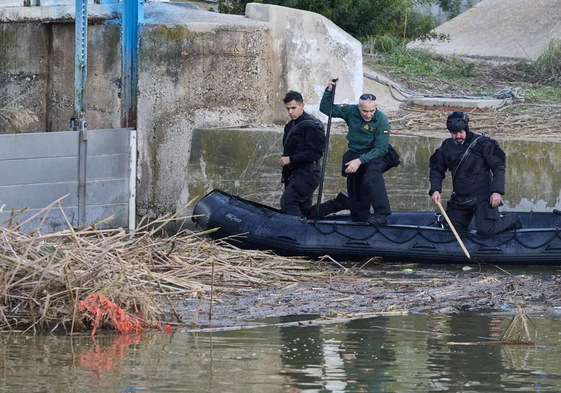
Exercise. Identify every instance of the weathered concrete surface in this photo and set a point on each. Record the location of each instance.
(12, 12)
(308, 49)
(201, 69)
(457, 102)
(196, 69)
(245, 163)
(37, 69)
(500, 29)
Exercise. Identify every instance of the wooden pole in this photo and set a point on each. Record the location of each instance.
(453, 229)
(320, 191)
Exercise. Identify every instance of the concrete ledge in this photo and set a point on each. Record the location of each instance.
(457, 102)
(58, 13)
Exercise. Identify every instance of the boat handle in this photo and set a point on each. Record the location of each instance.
(418, 246)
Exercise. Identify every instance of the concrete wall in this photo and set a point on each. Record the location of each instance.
(48, 11)
(197, 69)
(307, 50)
(533, 176)
(37, 70)
(500, 30)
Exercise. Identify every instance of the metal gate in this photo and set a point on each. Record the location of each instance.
(38, 169)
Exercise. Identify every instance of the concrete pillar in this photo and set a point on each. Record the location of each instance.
(307, 49)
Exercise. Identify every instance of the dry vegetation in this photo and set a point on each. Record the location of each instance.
(535, 110)
(15, 116)
(44, 276)
(161, 280)
(528, 121)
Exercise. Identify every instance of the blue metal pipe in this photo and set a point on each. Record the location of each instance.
(81, 61)
(133, 13)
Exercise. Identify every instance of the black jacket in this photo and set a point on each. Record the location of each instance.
(480, 172)
(303, 141)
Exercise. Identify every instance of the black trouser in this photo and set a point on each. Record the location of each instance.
(488, 220)
(340, 202)
(297, 197)
(366, 187)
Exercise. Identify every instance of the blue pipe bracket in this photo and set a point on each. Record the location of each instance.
(133, 14)
(81, 60)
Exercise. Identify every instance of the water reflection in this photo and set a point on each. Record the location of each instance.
(384, 354)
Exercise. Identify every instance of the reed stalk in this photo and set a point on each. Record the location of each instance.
(141, 271)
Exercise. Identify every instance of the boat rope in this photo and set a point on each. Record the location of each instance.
(336, 230)
(538, 246)
(420, 232)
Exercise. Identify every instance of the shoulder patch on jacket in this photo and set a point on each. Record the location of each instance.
(386, 132)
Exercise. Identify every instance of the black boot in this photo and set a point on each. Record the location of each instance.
(517, 224)
(378, 220)
(340, 202)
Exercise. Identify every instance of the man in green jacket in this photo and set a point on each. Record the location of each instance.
(367, 157)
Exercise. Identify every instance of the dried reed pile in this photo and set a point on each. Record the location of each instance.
(44, 276)
(16, 115)
(527, 120)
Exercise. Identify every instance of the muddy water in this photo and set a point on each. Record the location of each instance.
(245, 163)
(385, 354)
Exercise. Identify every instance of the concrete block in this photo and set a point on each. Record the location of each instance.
(499, 30)
(53, 13)
(532, 181)
(307, 50)
(197, 68)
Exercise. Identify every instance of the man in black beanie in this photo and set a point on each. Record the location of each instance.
(477, 164)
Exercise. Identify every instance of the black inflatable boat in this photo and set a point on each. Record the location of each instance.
(418, 237)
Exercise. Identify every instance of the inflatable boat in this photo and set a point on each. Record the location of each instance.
(418, 237)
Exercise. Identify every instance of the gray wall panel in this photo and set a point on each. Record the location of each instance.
(39, 145)
(38, 195)
(108, 167)
(108, 191)
(37, 169)
(55, 220)
(33, 196)
(106, 142)
(46, 170)
(101, 212)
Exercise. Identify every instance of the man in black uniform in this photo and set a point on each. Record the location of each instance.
(303, 145)
(477, 164)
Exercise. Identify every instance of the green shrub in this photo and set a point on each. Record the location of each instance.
(359, 18)
(381, 44)
(550, 61)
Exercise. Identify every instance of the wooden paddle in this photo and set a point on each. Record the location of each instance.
(453, 229)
